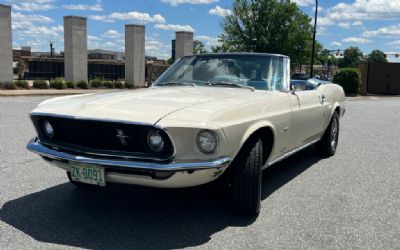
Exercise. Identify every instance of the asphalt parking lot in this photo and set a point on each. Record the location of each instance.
(349, 201)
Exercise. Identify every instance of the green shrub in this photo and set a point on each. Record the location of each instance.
(7, 85)
(108, 84)
(40, 84)
(70, 84)
(57, 84)
(119, 85)
(82, 84)
(129, 85)
(22, 84)
(96, 83)
(349, 79)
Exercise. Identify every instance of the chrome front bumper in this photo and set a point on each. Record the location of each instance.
(184, 173)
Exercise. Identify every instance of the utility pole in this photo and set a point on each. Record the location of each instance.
(313, 44)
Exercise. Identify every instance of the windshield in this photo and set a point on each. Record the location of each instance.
(263, 72)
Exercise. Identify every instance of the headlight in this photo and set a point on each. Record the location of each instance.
(48, 129)
(155, 141)
(207, 141)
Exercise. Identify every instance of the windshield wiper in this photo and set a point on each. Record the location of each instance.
(177, 83)
(229, 84)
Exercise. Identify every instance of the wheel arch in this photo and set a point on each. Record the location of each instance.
(266, 132)
(336, 108)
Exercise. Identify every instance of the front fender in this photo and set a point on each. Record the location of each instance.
(238, 135)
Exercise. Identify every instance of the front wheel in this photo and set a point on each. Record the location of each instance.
(328, 143)
(247, 178)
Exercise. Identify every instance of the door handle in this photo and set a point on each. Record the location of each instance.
(322, 99)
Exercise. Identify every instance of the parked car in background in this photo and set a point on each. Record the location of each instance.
(309, 84)
(208, 118)
(300, 76)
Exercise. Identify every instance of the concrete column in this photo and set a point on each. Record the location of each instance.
(134, 55)
(6, 57)
(75, 48)
(183, 44)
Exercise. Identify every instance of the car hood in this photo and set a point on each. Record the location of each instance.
(143, 105)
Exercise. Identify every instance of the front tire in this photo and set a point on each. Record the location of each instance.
(247, 178)
(328, 143)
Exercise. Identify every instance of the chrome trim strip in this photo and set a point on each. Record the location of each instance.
(111, 120)
(290, 153)
(36, 147)
(90, 119)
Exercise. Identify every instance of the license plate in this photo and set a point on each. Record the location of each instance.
(87, 173)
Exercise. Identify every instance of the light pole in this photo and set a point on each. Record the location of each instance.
(313, 44)
(329, 65)
(51, 48)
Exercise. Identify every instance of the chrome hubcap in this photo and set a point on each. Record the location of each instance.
(334, 131)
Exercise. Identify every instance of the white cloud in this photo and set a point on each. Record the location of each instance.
(29, 31)
(344, 25)
(395, 44)
(110, 44)
(41, 31)
(31, 1)
(95, 7)
(320, 9)
(336, 43)
(58, 28)
(218, 11)
(18, 17)
(154, 47)
(112, 34)
(94, 38)
(392, 30)
(133, 15)
(358, 40)
(361, 10)
(208, 41)
(178, 2)
(23, 22)
(324, 21)
(304, 2)
(322, 31)
(101, 18)
(32, 5)
(348, 25)
(174, 27)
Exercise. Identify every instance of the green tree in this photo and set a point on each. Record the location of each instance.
(275, 26)
(198, 47)
(170, 61)
(322, 55)
(220, 48)
(351, 58)
(377, 56)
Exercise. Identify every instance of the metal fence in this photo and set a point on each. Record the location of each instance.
(380, 78)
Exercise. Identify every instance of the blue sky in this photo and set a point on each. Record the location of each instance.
(368, 24)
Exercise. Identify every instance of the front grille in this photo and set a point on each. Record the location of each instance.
(101, 137)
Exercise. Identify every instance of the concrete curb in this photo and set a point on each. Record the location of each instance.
(33, 92)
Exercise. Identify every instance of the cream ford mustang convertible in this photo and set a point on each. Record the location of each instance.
(207, 118)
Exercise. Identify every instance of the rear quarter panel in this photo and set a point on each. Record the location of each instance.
(334, 97)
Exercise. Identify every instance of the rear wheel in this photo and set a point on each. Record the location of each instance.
(328, 143)
(247, 178)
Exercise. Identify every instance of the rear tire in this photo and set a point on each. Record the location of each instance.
(328, 143)
(247, 178)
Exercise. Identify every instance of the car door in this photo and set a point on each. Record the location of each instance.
(307, 116)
